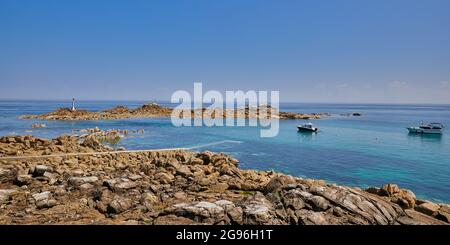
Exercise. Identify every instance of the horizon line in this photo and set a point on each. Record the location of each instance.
(168, 101)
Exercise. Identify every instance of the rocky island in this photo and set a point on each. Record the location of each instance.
(154, 110)
(74, 180)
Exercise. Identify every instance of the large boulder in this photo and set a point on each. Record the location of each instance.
(7, 174)
(307, 217)
(428, 208)
(444, 213)
(404, 198)
(119, 184)
(278, 183)
(413, 217)
(77, 181)
(40, 169)
(119, 204)
(183, 170)
(164, 178)
(294, 199)
(370, 208)
(234, 212)
(24, 179)
(319, 203)
(257, 210)
(5, 195)
(205, 212)
(44, 200)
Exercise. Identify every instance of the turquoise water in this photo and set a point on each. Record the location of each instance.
(359, 151)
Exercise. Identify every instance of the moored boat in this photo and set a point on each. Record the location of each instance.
(427, 128)
(307, 127)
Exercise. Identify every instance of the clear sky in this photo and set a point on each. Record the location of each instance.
(379, 51)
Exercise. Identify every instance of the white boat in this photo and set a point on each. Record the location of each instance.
(428, 128)
(309, 127)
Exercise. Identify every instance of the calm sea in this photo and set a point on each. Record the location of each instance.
(359, 151)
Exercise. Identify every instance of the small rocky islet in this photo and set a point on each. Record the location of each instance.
(153, 110)
(83, 181)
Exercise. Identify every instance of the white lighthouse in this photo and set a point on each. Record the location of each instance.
(73, 104)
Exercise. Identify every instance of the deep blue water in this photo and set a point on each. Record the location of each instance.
(359, 151)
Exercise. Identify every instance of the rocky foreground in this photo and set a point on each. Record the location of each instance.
(180, 187)
(154, 110)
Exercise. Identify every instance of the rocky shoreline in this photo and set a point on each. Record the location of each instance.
(154, 110)
(180, 187)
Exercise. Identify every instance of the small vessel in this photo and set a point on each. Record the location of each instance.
(427, 128)
(308, 127)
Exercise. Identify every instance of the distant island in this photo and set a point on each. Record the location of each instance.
(153, 110)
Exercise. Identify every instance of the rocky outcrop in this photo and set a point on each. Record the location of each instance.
(120, 112)
(154, 110)
(404, 198)
(29, 145)
(110, 136)
(293, 115)
(182, 187)
(38, 125)
(353, 114)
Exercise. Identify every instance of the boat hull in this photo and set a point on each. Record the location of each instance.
(414, 130)
(307, 129)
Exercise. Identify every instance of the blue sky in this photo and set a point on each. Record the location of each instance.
(384, 51)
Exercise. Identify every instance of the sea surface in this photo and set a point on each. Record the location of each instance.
(369, 150)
